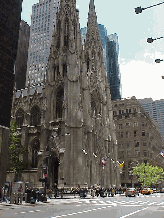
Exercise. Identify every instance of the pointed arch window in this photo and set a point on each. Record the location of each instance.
(66, 32)
(19, 118)
(59, 102)
(93, 107)
(58, 34)
(87, 61)
(35, 116)
(35, 145)
(74, 29)
(64, 70)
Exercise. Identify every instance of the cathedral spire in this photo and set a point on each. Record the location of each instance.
(93, 34)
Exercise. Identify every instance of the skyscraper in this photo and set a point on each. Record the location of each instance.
(83, 34)
(43, 20)
(103, 35)
(22, 55)
(10, 16)
(113, 72)
(156, 111)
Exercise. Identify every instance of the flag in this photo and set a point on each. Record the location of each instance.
(121, 165)
(162, 153)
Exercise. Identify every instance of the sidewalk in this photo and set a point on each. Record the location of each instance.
(68, 196)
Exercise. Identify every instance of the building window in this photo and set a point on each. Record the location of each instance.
(145, 153)
(135, 133)
(128, 144)
(127, 124)
(134, 110)
(120, 134)
(137, 144)
(59, 102)
(144, 143)
(66, 33)
(127, 134)
(143, 123)
(120, 126)
(35, 116)
(135, 124)
(64, 70)
(114, 112)
(143, 132)
(58, 34)
(137, 153)
(19, 118)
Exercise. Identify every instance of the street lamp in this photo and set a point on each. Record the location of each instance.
(150, 40)
(139, 10)
(158, 60)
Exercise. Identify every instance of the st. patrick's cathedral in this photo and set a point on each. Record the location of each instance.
(66, 124)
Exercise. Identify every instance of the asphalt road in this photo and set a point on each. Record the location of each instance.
(142, 206)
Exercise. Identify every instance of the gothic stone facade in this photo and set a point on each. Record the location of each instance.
(69, 119)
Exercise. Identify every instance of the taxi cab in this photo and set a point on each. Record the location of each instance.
(147, 191)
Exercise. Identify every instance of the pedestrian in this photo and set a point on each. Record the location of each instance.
(50, 193)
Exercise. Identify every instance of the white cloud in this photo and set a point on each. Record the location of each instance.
(141, 79)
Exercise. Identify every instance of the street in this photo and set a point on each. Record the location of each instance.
(142, 206)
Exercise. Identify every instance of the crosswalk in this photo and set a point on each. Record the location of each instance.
(106, 201)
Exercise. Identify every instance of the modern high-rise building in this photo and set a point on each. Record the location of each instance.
(83, 34)
(103, 35)
(113, 72)
(156, 111)
(10, 17)
(22, 55)
(43, 20)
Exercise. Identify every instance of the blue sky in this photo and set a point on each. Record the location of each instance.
(140, 75)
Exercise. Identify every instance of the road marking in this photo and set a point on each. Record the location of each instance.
(127, 215)
(133, 205)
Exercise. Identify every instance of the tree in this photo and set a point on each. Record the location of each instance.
(16, 151)
(148, 174)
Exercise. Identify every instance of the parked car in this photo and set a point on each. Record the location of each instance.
(147, 191)
(162, 190)
(154, 190)
(131, 192)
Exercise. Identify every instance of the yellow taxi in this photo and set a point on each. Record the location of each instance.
(147, 191)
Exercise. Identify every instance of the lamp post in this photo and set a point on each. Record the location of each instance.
(150, 40)
(139, 10)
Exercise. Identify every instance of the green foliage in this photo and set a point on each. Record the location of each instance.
(148, 174)
(16, 151)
